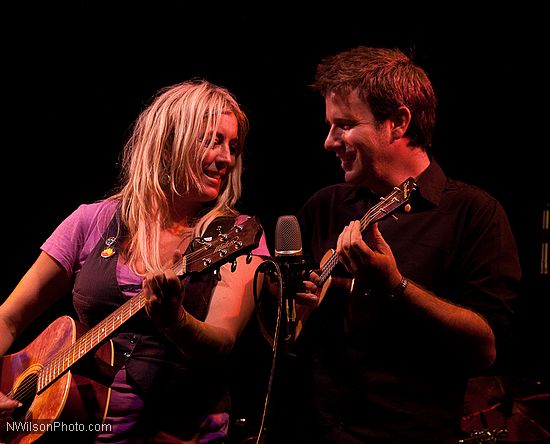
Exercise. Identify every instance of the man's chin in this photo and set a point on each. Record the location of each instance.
(351, 178)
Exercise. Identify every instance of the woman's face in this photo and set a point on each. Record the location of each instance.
(219, 159)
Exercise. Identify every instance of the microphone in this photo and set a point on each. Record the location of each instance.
(288, 239)
(289, 257)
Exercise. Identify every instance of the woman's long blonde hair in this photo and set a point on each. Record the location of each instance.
(163, 158)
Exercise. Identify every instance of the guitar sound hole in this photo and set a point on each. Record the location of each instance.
(25, 393)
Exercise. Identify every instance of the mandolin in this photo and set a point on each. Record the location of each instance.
(387, 205)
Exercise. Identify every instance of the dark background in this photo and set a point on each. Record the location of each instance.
(76, 76)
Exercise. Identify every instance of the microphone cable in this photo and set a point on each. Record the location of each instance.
(272, 340)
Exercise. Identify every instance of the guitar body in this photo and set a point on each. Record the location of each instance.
(76, 396)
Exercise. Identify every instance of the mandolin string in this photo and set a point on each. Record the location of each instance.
(369, 216)
(56, 364)
(333, 260)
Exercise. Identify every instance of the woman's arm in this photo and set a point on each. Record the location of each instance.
(231, 306)
(43, 284)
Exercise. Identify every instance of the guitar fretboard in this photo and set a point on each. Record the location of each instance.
(93, 337)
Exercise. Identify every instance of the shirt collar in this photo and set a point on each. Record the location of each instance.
(431, 184)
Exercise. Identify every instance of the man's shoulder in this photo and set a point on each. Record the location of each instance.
(467, 192)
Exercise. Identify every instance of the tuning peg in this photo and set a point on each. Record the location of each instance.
(407, 208)
(249, 257)
(218, 274)
(233, 266)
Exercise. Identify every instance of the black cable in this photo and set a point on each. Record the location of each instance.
(273, 341)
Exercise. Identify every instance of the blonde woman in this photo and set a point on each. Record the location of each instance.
(181, 171)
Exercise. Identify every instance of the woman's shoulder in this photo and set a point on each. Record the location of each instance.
(101, 209)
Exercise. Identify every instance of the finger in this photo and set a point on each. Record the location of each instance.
(354, 259)
(380, 242)
(8, 404)
(355, 231)
(309, 296)
(309, 299)
(343, 257)
(172, 285)
(176, 258)
(350, 235)
(314, 277)
(343, 247)
(158, 281)
(341, 240)
(355, 252)
(309, 287)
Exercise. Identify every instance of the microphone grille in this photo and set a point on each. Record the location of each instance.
(288, 239)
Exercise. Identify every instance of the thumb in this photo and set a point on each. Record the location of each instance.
(7, 403)
(379, 243)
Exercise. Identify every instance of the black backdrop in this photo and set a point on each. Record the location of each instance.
(76, 76)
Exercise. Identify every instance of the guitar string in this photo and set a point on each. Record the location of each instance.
(54, 367)
(62, 360)
(56, 364)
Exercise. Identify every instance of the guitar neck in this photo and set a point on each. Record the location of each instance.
(64, 359)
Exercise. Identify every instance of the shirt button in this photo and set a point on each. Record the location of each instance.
(133, 339)
(127, 354)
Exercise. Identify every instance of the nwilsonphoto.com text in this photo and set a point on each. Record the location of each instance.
(44, 426)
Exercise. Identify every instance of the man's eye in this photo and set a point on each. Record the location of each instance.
(345, 126)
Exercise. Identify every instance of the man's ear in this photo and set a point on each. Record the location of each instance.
(399, 121)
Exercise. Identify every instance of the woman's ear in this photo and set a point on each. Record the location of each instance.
(399, 121)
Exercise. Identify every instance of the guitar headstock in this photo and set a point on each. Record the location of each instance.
(391, 202)
(224, 247)
(405, 189)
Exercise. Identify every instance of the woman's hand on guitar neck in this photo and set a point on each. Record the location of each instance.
(164, 296)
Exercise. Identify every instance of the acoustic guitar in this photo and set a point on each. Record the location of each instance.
(388, 204)
(62, 377)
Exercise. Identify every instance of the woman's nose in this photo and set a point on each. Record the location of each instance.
(224, 155)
